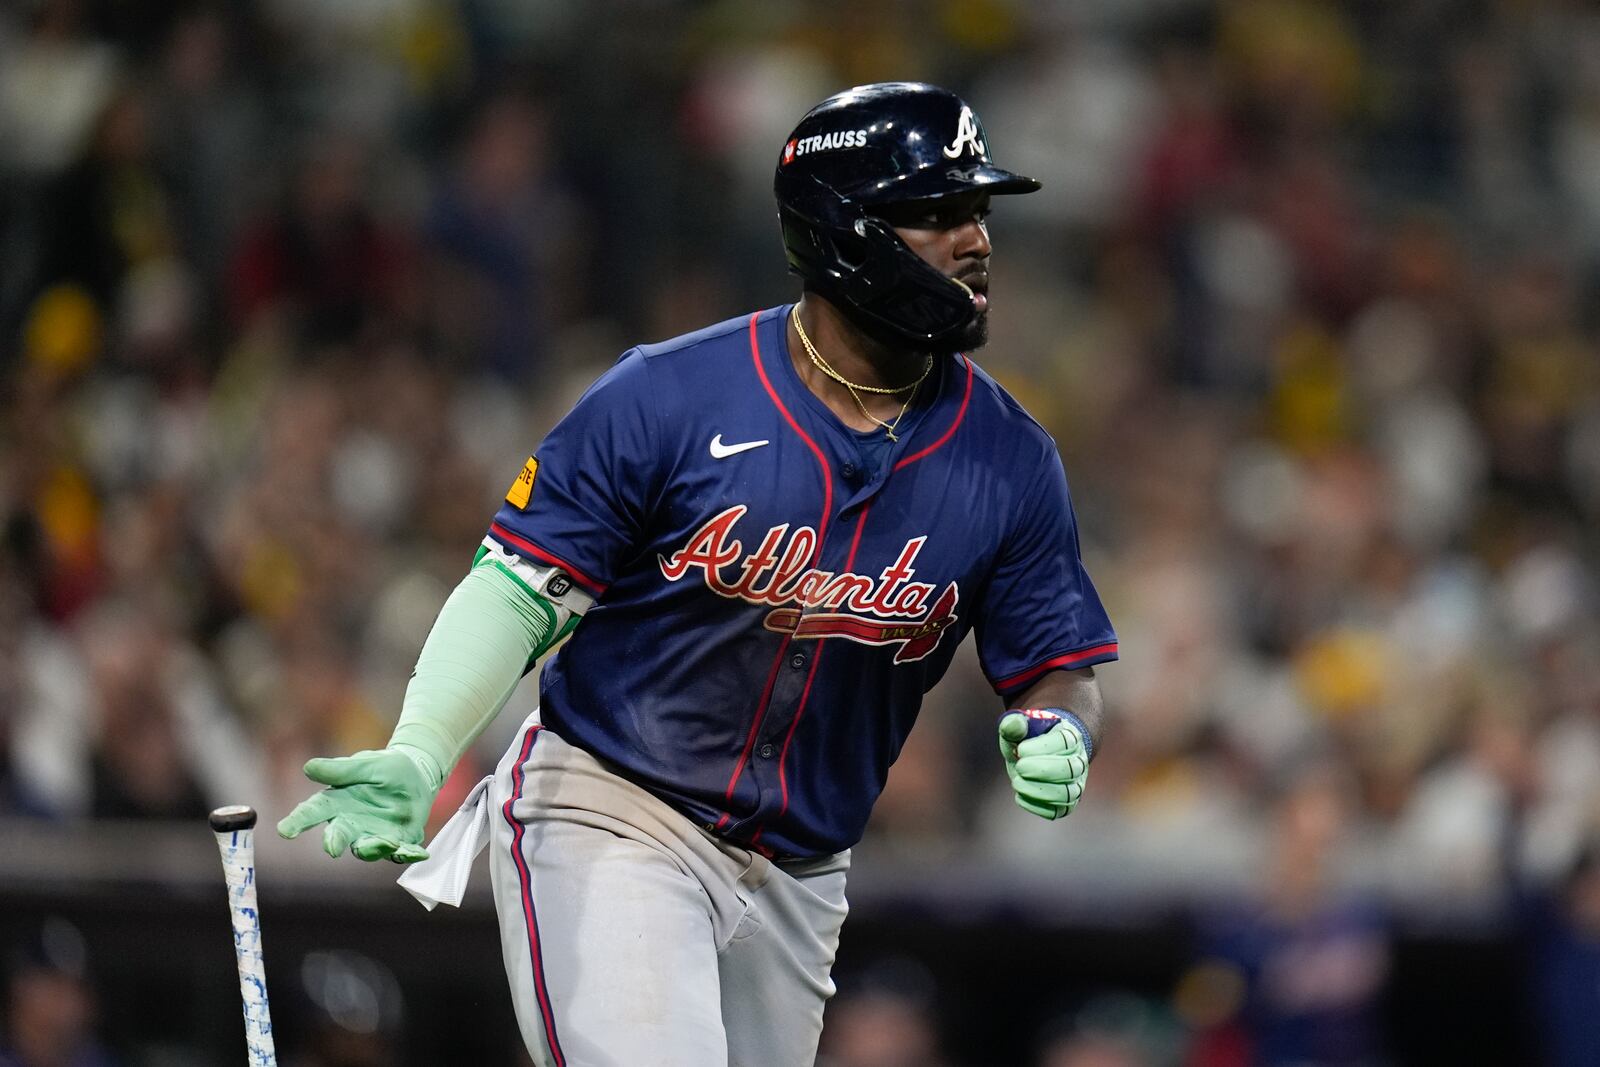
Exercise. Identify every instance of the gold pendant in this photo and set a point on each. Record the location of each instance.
(891, 435)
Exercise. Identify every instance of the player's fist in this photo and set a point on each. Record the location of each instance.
(376, 805)
(1046, 761)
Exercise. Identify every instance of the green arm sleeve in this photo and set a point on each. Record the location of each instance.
(489, 632)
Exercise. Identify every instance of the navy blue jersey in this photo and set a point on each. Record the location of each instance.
(767, 614)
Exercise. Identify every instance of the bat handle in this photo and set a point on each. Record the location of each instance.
(235, 832)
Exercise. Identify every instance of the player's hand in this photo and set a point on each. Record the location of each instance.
(376, 805)
(1046, 761)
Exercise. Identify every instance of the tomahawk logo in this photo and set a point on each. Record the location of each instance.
(966, 136)
(916, 639)
(889, 609)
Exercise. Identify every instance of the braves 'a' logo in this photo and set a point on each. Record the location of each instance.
(808, 602)
(966, 136)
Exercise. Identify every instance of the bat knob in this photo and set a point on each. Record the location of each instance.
(233, 817)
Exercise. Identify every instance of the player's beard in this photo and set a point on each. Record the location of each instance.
(974, 335)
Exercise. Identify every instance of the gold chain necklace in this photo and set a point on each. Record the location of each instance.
(852, 387)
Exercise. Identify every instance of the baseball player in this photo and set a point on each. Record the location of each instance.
(766, 539)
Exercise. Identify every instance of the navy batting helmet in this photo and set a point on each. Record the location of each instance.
(853, 155)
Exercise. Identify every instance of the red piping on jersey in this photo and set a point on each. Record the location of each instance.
(1065, 661)
(530, 920)
(816, 658)
(961, 413)
(850, 562)
(822, 533)
(749, 742)
(855, 543)
(496, 530)
(822, 461)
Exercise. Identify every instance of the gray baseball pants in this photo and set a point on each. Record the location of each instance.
(634, 939)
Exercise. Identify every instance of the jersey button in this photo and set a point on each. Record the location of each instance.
(768, 751)
(797, 660)
(849, 471)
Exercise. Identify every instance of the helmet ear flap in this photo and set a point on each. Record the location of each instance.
(858, 261)
(869, 251)
(894, 279)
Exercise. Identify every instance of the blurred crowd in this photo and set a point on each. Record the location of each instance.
(288, 290)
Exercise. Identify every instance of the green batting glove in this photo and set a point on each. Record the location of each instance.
(376, 805)
(1046, 761)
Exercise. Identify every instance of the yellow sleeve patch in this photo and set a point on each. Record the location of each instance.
(521, 489)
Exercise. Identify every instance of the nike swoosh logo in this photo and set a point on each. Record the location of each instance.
(722, 451)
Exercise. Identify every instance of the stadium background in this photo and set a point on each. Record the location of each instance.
(289, 289)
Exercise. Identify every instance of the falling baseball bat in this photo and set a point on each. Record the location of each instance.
(235, 829)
